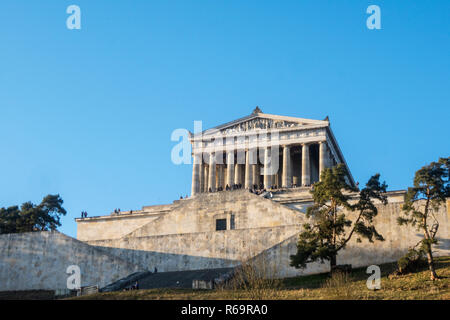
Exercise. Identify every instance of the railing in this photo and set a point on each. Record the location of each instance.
(83, 291)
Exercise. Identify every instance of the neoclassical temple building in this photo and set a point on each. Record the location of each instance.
(263, 150)
(225, 222)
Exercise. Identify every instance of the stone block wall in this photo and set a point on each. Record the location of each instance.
(39, 260)
(194, 251)
(186, 239)
(398, 239)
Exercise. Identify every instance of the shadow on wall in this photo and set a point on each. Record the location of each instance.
(39, 261)
(276, 260)
(164, 262)
(443, 244)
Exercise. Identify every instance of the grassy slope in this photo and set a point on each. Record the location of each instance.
(412, 286)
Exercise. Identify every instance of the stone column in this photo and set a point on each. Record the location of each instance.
(219, 182)
(255, 171)
(237, 173)
(222, 176)
(205, 178)
(224, 185)
(196, 167)
(306, 169)
(287, 172)
(202, 177)
(267, 176)
(322, 156)
(212, 172)
(230, 168)
(248, 171)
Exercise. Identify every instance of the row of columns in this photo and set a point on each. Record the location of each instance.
(204, 176)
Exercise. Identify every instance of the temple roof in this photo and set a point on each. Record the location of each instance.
(274, 122)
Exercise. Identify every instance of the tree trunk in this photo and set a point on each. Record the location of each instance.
(433, 275)
(333, 262)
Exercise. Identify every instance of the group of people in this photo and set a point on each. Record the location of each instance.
(83, 214)
(233, 187)
(134, 286)
(117, 211)
(258, 189)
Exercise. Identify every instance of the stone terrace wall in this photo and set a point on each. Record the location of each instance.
(199, 214)
(276, 238)
(117, 226)
(38, 260)
(398, 239)
(194, 251)
(111, 227)
(186, 238)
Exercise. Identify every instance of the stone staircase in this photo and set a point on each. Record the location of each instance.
(180, 279)
(284, 196)
(176, 279)
(126, 282)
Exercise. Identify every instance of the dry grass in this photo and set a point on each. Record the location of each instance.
(340, 286)
(27, 295)
(256, 279)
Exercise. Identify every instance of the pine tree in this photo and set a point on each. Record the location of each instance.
(431, 188)
(332, 228)
(42, 217)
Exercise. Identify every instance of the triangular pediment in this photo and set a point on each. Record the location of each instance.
(263, 121)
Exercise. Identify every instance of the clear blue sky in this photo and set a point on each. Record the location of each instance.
(88, 113)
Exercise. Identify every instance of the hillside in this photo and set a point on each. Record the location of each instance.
(412, 286)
